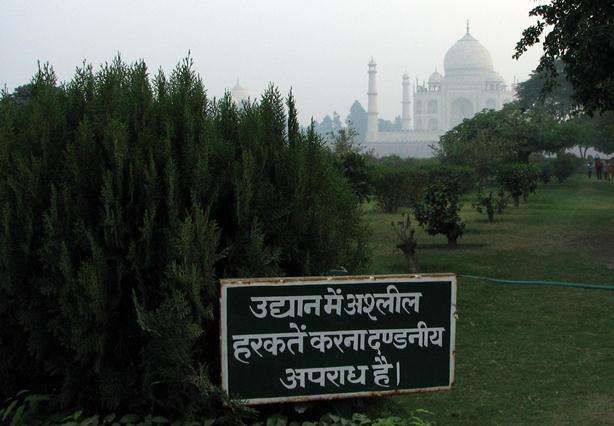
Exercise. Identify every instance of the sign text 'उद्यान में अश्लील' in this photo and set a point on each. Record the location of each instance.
(391, 302)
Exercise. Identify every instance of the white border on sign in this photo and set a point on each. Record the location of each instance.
(361, 279)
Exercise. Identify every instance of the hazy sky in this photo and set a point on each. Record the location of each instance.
(318, 47)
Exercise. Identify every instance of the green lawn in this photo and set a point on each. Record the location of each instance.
(525, 354)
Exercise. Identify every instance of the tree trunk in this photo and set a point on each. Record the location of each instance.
(491, 215)
(452, 242)
(516, 201)
(412, 263)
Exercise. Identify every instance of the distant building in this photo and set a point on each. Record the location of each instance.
(238, 94)
(469, 84)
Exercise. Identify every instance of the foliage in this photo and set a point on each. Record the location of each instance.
(558, 101)
(27, 408)
(123, 199)
(519, 180)
(492, 139)
(406, 242)
(600, 132)
(501, 201)
(564, 166)
(399, 182)
(439, 211)
(415, 418)
(397, 186)
(490, 203)
(575, 127)
(464, 176)
(579, 34)
(328, 126)
(351, 162)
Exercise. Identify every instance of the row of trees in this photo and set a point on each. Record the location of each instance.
(123, 199)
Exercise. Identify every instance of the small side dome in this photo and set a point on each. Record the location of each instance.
(435, 78)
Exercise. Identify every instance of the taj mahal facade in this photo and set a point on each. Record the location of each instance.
(469, 84)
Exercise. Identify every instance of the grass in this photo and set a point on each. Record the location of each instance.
(525, 354)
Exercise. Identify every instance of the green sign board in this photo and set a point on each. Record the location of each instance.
(300, 339)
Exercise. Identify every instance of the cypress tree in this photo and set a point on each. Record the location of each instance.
(123, 199)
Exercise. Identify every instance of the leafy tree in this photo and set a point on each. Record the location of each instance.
(397, 186)
(579, 34)
(558, 101)
(564, 166)
(602, 136)
(123, 199)
(439, 211)
(518, 180)
(492, 139)
(490, 203)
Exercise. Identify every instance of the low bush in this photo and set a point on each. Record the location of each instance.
(519, 180)
(564, 165)
(397, 186)
(439, 211)
(463, 176)
(406, 242)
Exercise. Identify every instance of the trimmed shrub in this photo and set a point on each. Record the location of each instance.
(463, 176)
(519, 180)
(397, 186)
(438, 213)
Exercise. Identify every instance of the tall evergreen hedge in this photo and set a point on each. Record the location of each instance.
(123, 199)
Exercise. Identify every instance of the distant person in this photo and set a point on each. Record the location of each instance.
(610, 169)
(598, 168)
(589, 168)
(606, 169)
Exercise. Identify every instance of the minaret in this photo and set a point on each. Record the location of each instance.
(405, 120)
(372, 104)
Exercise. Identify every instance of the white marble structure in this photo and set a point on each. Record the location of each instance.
(238, 94)
(469, 84)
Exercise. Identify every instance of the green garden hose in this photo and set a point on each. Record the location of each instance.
(551, 283)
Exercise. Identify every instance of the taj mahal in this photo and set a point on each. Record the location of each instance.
(468, 85)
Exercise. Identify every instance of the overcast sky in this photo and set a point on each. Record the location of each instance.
(318, 47)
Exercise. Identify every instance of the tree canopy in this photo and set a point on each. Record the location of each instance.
(492, 138)
(581, 36)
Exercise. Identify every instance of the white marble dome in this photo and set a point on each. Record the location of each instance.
(467, 55)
